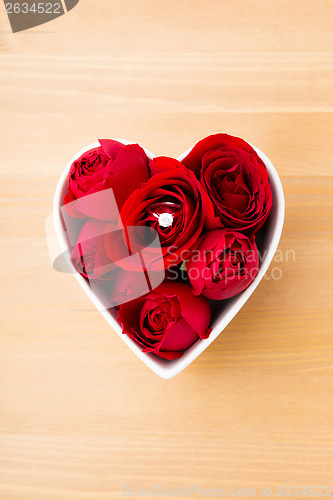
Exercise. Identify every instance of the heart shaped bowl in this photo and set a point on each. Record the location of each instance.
(223, 311)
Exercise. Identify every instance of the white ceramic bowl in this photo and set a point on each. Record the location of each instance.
(229, 309)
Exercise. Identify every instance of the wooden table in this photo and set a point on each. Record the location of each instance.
(81, 416)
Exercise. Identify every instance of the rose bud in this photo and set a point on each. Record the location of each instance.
(167, 320)
(112, 166)
(235, 179)
(174, 204)
(225, 263)
(88, 255)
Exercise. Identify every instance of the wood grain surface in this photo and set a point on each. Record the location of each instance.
(81, 416)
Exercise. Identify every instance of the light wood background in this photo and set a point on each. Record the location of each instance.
(81, 416)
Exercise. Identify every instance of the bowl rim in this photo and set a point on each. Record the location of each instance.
(168, 369)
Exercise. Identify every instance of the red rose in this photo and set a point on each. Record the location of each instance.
(224, 264)
(114, 167)
(235, 179)
(112, 284)
(166, 321)
(88, 255)
(173, 203)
